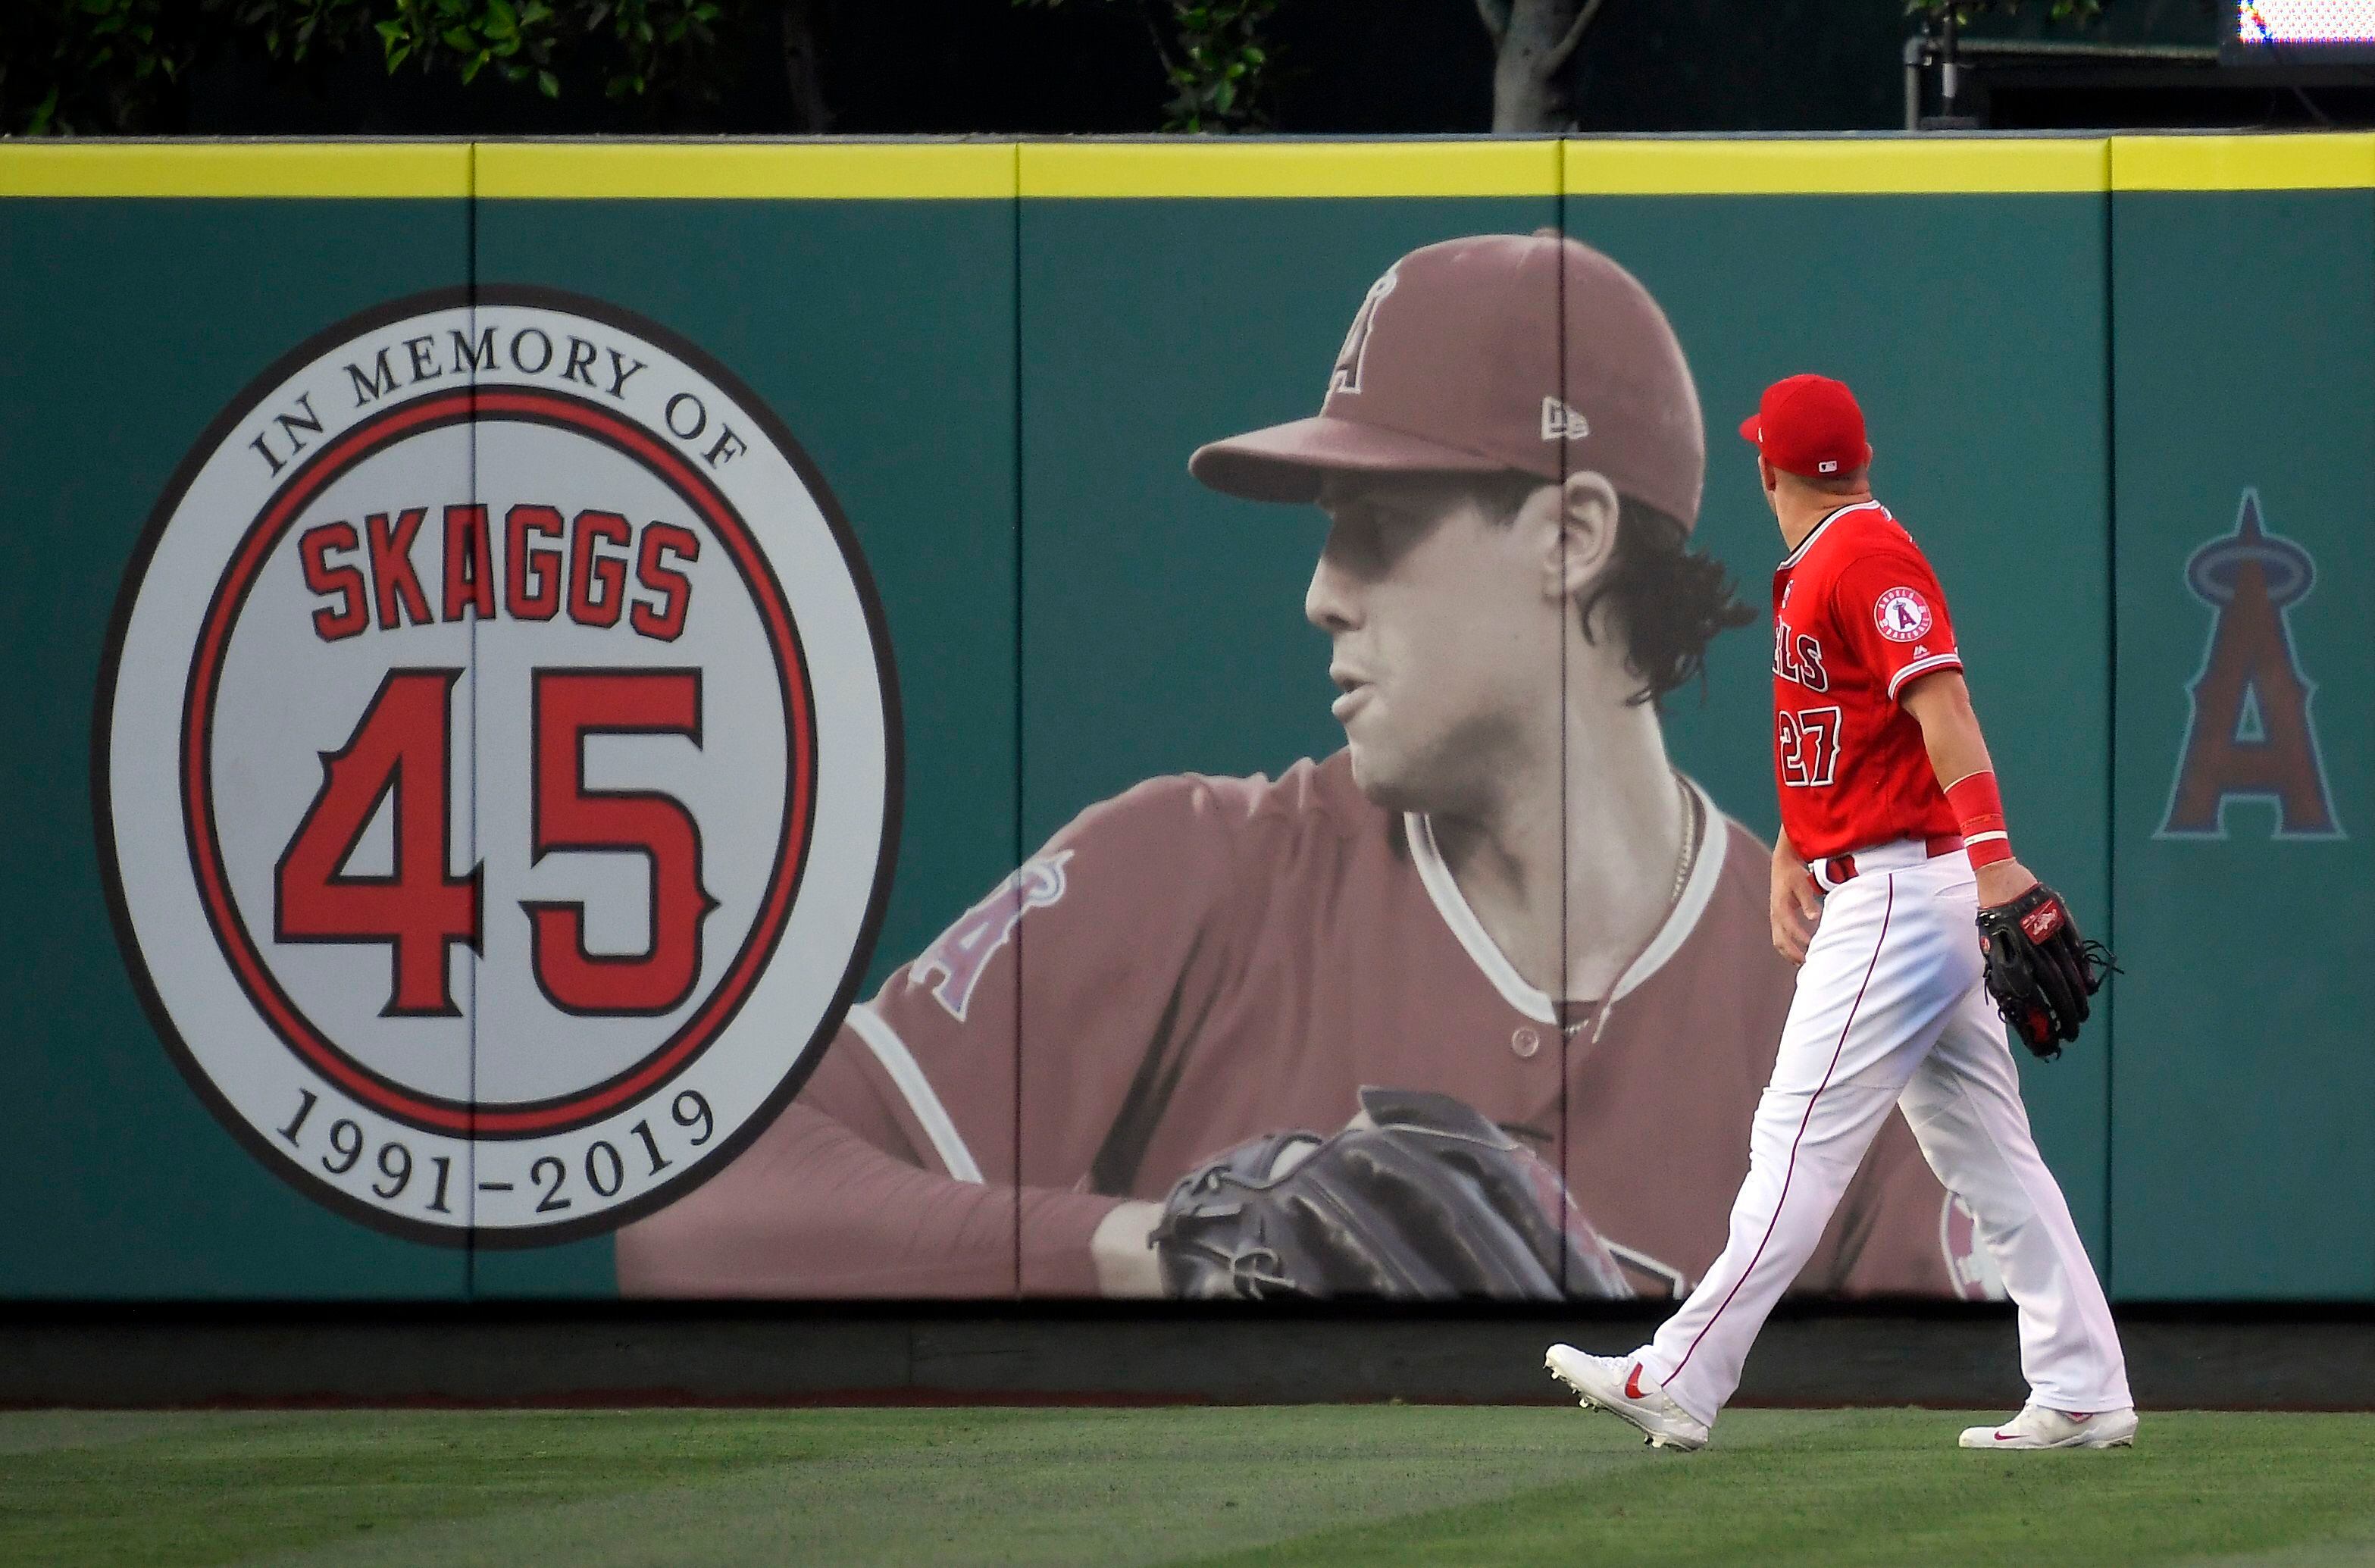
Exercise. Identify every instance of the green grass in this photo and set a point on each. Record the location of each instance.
(1363, 1484)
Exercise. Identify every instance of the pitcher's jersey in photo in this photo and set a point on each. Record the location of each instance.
(1201, 961)
(1857, 616)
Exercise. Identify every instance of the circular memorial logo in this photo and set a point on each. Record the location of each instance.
(498, 766)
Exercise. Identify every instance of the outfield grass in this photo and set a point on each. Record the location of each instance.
(1363, 1484)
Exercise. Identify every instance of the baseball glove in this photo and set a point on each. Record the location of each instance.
(2039, 970)
(1419, 1196)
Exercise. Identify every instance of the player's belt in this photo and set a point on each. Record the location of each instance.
(1888, 857)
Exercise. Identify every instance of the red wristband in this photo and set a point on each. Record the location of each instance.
(1979, 810)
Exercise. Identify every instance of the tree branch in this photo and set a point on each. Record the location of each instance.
(801, 75)
(1154, 34)
(1565, 46)
(1495, 15)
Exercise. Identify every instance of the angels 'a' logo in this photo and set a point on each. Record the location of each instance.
(2250, 736)
(953, 966)
(1902, 615)
(1354, 354)
(499, 754)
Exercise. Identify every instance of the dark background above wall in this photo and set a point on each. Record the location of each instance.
(1340, 67)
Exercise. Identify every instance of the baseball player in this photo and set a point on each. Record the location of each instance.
(1500, 907)
(1893, 841)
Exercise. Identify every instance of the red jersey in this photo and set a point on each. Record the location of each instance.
(1204, 961)
(1858, 614)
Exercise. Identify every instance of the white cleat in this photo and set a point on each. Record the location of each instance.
(2037, 1427)
(1620, 1386)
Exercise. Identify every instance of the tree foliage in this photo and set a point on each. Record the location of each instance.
(96, 67)
(1216, 58)
(1222, 72)
(1966, 11)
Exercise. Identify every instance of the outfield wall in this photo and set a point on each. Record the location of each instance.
(915, 420)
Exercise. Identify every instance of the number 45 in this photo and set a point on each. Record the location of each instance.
(401, 753)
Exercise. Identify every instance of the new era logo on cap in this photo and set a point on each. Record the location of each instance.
(1562, 423)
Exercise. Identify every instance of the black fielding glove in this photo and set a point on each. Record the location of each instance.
(2039, 970)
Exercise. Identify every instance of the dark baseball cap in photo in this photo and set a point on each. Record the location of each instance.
(1495, 353)
(1810, 425)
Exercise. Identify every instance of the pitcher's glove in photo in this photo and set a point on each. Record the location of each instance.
(1419, 1196)
(2041, 970)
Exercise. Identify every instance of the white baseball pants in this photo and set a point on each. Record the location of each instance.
(1890, 1010)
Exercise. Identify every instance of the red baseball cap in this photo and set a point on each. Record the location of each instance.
(1495, 353)
(1809, 426)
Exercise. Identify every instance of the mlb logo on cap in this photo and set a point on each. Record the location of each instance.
(1810, 425)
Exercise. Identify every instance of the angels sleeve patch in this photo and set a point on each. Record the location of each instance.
(1902, 615)
(953, 966)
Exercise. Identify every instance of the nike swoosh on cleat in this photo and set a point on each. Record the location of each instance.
(1633, 1383)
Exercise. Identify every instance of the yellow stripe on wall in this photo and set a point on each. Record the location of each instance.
(1186, 168)
(234, 169)
(1839, 166)
(748, 171)
(2323, 162)
(1244, 168)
